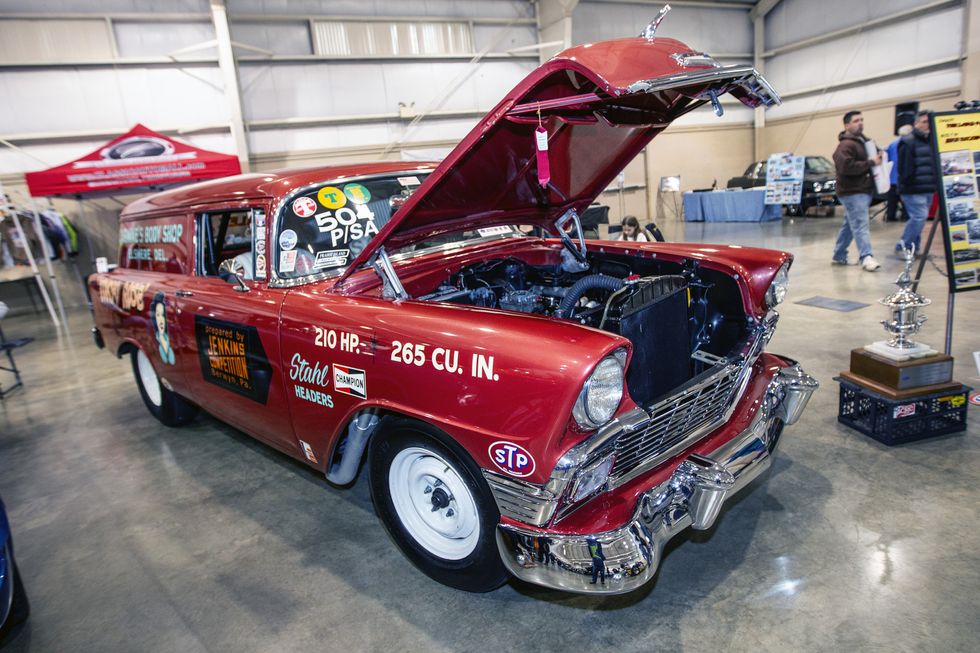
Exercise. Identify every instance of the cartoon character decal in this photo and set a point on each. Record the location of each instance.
(158, 308)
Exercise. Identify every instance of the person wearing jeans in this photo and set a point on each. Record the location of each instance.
(855, 228)
(917, 180)
(854, 188)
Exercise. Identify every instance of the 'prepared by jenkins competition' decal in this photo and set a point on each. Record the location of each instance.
(512, 458)
(350, 381)
(233, 358)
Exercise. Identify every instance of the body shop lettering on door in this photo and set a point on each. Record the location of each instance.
(443, 360)
(147, 235)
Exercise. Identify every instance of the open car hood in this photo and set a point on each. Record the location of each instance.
(601, 103)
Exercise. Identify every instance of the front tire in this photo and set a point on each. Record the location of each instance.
(435, 504)
(166, 405)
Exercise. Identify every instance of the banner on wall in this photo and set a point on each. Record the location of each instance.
(140, 158)
(956, 137)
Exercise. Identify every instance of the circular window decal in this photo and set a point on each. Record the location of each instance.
(287, 240)
(304, 207)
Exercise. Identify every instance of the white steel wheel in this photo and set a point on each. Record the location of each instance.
(433, 503)
(162, 402)
(148, 376)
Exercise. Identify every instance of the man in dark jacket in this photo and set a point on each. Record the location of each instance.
(917, 179)
(854, 189)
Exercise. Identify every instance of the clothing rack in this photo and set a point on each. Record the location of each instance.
(8, 210)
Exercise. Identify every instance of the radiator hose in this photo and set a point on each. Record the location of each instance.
(582, 286)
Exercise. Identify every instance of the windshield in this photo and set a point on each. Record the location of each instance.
(459, 238)
(819, 165)
(324, 228)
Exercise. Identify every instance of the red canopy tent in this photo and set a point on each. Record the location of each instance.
(140, 159)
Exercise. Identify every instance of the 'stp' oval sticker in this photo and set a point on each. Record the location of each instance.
(512, 458)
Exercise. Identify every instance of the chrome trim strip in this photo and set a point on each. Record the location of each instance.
(693, 496)
(744, 75)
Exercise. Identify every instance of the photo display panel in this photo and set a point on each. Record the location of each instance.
(956, 137)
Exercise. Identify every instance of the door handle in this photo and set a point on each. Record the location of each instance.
(184, 293)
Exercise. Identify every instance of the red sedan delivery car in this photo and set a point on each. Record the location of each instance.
(528, 403)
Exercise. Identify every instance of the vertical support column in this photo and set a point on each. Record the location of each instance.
(554, 24)
(229, 75)
(758, 46)
(970, 72)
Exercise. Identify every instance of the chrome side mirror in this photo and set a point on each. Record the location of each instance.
(228, 273)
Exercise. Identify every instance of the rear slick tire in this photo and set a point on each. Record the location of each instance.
(167, 406)
(436, 505)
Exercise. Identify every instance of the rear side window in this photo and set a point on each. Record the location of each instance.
(156, 245)
(238, 236)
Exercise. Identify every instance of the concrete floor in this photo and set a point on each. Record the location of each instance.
(135, 537)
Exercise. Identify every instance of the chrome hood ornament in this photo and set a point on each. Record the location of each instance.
(650, 30)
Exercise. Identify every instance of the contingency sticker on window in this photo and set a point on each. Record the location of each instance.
(287, 261)
(493, 231)
(331, 258)
(258, 219)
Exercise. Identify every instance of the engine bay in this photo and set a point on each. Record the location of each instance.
(672, 313)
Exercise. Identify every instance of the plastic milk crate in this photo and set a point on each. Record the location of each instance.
(894, 421)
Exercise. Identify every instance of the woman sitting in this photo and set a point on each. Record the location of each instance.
(632, 231)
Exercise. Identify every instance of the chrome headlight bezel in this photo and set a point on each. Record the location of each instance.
(777, 290)
(602, 393)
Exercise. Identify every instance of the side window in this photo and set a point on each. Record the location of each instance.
(232, 235)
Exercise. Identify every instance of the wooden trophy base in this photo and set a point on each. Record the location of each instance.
(891, 393)
(901, 379)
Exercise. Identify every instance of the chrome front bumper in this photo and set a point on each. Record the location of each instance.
(692, 496)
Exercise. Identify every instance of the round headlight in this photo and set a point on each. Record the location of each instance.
(777, 289)
(817, 187)
(601, 394)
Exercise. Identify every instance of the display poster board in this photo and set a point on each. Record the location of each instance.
(784, 179)
(671, 184)
(956, 138)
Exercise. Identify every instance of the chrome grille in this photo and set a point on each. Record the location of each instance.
(677, 420)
